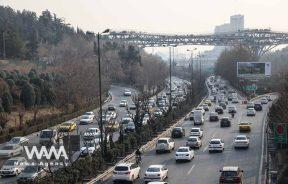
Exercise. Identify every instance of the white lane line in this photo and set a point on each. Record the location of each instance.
(205, 149)
(213, 135)
(190, 170)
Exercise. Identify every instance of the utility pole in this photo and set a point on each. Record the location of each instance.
(170, 80)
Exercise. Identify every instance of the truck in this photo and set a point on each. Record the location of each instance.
(198, 117)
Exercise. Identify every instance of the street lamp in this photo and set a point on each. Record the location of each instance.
(192, 63)
(98, 52)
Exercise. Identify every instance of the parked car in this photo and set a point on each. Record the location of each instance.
(155, 173)
(165, 144)
(216, 145)
(231, 174)
(178, 132)
(126, 172)
(241, 141)
(213, 116)
(31, 173)
(22, 141)
(244, 126)
(225, 122)
(13, 166)
(184, 153)
(194, 142)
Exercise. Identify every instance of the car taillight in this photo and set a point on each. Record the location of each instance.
(237, 179)
(221, 179)
(127, 172)
(158, 174)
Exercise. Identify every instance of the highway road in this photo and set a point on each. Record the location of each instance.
(204, 169)
(116, 93)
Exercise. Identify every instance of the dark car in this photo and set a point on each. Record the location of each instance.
(258, 107)
(222, 104)
(213, 116)
(178, 132)
(219, 110)
(225, 122)
(231, 174)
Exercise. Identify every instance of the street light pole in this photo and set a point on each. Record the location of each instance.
(170, 81)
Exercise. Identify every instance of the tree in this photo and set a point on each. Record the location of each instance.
(3, 119)
(27, 95)
(7, 102)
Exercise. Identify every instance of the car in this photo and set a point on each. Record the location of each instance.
(90, 113)
(111, 107)
(86, 119)
(127, 92)
(205, 107)
(225, 122)
(89, 147)
(208, 102)
(258, 107)
(213, 116)
(184, 153)
(241, 141)
(251, 112)
(200, 109)
(165, 144)
(244, 126)
(216, 145)
(91, 133)
(191, 117)
(158, 113)
(268, 97)
(157, 182)
(264, 101)
(123, 103)
(132, 106)
(67, 126)
(235, 100)
(250, 105)
(178, 132)
(10, 150)
(111, 114)
(232, 109)
(113, 126)
(231, 174)
(219, 109)
(48, 137)
(196, 132)
(156, 173)
(126, 172)
(194, 142)
(198, 117)
(130, 127)
(222, 104)
(13, 166)
(106, 118)
(22, 141)
(31, 174)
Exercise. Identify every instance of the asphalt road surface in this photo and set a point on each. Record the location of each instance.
(204, 169)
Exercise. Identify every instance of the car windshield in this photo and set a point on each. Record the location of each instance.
(195, 130)
(153, 169)
(123, 101)
(15, 140)
(192, 139)
(240, 138)
(182, 150)
(85, 117)
(30, 169)
(11, 163)
(229, 173)
(91, 130)
(88, 113)
(177, 129)
(162, 141)
(243, 123)
(121, 168)
(214, 142)
(46, 134)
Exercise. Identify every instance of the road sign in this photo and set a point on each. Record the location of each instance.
(250, 88)
(280, 133)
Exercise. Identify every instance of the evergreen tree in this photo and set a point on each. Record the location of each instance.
(27, 95)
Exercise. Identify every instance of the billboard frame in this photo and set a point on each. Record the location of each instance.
(265, 73)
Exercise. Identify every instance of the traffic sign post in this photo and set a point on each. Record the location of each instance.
(280, 133)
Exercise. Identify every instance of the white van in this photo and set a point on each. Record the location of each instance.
(198, 117)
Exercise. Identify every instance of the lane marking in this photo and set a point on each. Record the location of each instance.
(190, 170)
(213, 135)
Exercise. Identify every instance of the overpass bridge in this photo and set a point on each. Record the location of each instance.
(258, 40)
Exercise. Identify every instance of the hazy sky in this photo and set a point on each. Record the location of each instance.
(162, 16)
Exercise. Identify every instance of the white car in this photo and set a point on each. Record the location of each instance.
(205, 107)
(194, 142)
(13, 166)
(90, 113)
(184, 153)
(235, 100)
(123, 103)
(91, 133)
(251, 112)
(127, 172)
(241, 141)
(156, 173)
(157, 182)
(232, 109)
(196, 132)
(264, 101)
(127, 92)
(165, 144)
(86, 119)
(201, 109)
(89, 148)
(111, 114)
(216, 145)
(19, 140)
(10, 150)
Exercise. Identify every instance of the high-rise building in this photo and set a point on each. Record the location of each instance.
(236, 24)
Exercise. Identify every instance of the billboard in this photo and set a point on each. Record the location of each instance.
(253, 69)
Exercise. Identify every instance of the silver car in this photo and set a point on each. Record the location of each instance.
(31, 173)
(10, 150)
(13, 166)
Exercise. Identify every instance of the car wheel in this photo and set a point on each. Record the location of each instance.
(157, 152)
